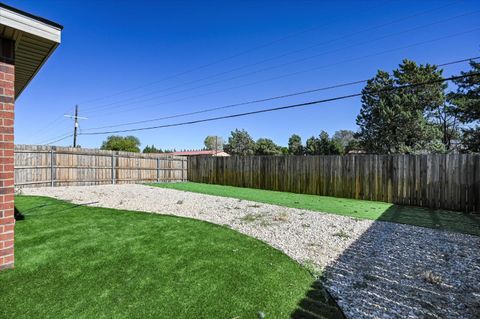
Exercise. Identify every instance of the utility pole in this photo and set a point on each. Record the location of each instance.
(75, 127)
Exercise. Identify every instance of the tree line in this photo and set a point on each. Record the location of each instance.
(241, 143)
(396, 117)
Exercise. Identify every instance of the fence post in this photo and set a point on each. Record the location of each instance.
(52, 165)
(183, 178)
(113, 168)
(139, 170)
(158, 170)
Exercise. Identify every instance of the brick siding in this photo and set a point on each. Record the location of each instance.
(7, 220)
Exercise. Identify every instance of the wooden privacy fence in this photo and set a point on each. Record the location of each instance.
(37, 165)
(437, 181)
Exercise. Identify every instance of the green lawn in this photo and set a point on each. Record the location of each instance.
(84, 262)
(439, 219)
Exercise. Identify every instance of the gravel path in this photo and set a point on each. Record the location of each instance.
(373, 269)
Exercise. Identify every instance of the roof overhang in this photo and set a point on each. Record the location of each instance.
(35, 40)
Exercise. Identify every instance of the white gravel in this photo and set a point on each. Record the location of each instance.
(373, 269)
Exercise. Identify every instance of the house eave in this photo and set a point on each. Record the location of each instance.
(35, 40)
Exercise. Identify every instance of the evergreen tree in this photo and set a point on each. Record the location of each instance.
(466, 101)
(265, 146)
(240, 143)
(311, 146)
(284, 150)
(151, 149)
(322, 145)
(295, 146)
(393, 120)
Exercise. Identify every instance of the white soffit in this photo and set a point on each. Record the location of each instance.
(35, 40)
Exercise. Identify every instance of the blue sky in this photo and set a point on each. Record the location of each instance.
(170, 57)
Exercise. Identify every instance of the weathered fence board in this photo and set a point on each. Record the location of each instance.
(450, 181)
(37, 165)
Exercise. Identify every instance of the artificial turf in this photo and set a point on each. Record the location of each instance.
(418, 216)
(77, 261)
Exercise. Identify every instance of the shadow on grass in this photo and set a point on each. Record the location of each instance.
(466, 223)
(400, 271)
(317, 303)
(60, 204)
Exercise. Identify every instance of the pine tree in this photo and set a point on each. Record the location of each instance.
(466, 101)
(393, 120)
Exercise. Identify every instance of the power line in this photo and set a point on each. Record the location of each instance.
(459, 61)
(56, 138)
(46, 127)
(60, 139)
(254, 49)
(260, 100)
(40, 133)
(155, 96)
(298, 72)
(304, 71)
(284, 107)
(298, 50)
(267, 44)
(272, 42)
(43, 141)
(230, 105)
(56, 120)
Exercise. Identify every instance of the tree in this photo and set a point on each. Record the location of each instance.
(311, 146)
(466, 102)
(431, 99)
(266, 146)
(240, 143)
(213, 142)
(394, 120)
(322, 145)
(284, 150)
(295, 146)
(471, 139)
(343, 139)
(446, 119)
(151, 149)
(120, 143)
(327, 146)
(353, 145)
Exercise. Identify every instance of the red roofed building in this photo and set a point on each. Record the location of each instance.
(201, 153)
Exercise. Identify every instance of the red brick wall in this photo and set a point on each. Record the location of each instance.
(7, 220)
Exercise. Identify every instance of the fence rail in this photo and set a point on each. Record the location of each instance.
(450, 181)
(37, 165)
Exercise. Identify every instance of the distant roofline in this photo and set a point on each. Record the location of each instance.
(198, 152)
(40, 19)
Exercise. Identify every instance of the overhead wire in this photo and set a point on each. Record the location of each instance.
(248, 51)
(56, 120)
(278, 40)
(261, 100)
(284, 107)
(304, 70)
(57, 139)
(155, 96)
